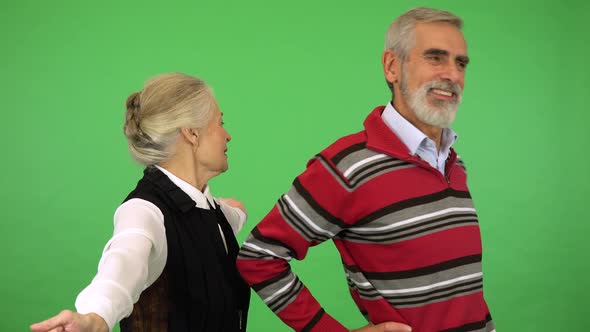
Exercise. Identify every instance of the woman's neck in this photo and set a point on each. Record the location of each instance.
(186, 171)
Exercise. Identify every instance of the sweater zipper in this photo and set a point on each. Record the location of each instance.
(449, 166)
(446, 179)
(240, 318)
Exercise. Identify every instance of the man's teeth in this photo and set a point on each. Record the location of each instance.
(443, 92)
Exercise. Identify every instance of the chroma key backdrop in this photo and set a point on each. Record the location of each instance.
(291, 77)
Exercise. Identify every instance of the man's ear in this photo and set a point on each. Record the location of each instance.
(191, 135)
(391, 65)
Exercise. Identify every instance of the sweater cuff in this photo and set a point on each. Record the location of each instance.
(327, 323)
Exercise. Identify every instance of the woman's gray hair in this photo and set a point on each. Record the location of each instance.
(156, 114)
(400, 35)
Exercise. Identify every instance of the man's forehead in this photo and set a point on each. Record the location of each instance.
(440, 35)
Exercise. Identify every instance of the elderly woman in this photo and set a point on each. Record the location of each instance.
(170, 265)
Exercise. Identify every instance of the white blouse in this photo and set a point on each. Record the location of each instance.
(136, 254)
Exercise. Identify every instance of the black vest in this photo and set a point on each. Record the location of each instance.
(200, 288)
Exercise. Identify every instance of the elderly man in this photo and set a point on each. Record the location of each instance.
(392, 197)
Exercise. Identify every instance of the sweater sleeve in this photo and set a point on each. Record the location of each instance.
(131, 261)
(303, 217)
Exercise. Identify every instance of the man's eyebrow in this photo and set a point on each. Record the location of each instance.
(435, 51)
(463, 58)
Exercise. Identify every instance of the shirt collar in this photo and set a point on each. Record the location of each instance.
(202, 200)
(411, 136)
(449, 137)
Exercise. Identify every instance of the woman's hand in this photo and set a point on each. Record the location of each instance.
(385, 327)
(233, 203)
(69, 321)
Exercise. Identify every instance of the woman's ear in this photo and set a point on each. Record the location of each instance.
(190, 135)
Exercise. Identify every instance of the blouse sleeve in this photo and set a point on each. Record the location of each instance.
(131, 261)
(235, 217)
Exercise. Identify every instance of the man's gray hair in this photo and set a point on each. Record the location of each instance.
(400, 35)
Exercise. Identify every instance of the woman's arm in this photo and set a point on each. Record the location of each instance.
(235, 212)
(132, 260)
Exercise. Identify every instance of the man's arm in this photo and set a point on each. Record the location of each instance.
(311, 212)
(302, 218)
(305, 216)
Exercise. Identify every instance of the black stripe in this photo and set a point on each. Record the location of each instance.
(437, 297)
(334, 171)
(472, 216)
(280, 301)
(371, 292)
(353, 148)
(417, 201)
(316, 207)
(461, 164)
(296, 222)
(440, 290)
(290, 293)
(376, 238)
(314, 320)
(249, 253)
(471, 326)
(258, 236)
(380, 169)
(465, 260)
(257, 287)
(435, 227)
(388, 160)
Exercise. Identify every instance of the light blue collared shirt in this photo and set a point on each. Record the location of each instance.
(417, 142)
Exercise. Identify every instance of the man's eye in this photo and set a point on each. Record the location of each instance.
(434, 58)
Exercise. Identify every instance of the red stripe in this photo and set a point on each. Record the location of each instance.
(299, 312)
(412, 254)
(450, 313)
(255, 271)
(331, 195)
(344, 143)
(275, 227)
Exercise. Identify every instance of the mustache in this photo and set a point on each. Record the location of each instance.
(444, 85)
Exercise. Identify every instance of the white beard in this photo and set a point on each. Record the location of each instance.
(442, 113)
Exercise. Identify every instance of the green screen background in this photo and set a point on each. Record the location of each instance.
(291, 77)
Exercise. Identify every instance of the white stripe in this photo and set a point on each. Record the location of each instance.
(438, 284)
(366, 284)
(411, 220)
(305, 218)
(362, 162)
(257, 248)
(279, 292)
(418, 289)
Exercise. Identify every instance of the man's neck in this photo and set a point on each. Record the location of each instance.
(434, 133)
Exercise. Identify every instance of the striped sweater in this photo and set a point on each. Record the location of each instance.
(407, 235)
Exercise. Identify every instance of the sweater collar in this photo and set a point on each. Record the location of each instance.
(381, 138)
